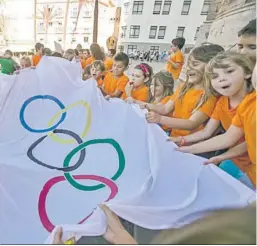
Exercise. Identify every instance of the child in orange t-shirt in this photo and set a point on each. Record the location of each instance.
(108, 62)
(161, 89)
(39, 53)
(138, 88)
(116, 81)
(176, 61)
(229, 75)
(190, 110)
(97, 72)
(87, 73)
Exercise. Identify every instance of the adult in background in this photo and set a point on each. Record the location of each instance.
(176, 61)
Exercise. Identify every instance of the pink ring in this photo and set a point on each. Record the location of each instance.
(51, 182)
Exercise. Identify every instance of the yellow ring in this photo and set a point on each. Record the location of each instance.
(58, 114)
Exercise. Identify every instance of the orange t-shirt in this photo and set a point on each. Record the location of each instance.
(140, 94)
(225, 115)
(36, 59)
(108, 64)
(83, 63)
(100, 82)
(183, 108)
(176, 58)
(111, 84)
(90, 60)
(164, 101)
(246, 118)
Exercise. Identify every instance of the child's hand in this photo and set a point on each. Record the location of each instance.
(107, 97)
(128, 89)
(152, 117)
(142, 105)
(174, 140)
(115, 233)
(216, 160)
(130, 100)
(58, 238)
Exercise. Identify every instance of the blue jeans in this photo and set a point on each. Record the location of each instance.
(231, 168)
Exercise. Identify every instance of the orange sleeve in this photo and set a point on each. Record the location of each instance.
(144, 95)
(165, 99)
(108, 64)
(100, 82)
(179, 58)
(89, 61)
(83, 63)
(122, 84)
(237, 121)
(34, 60)
(208, 107)
(216, 112)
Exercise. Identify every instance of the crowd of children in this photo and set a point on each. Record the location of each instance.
(211, 114)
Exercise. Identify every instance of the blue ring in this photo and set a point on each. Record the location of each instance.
(27, 102)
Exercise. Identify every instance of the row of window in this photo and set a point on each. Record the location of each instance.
(58, 12)
(132, 48)
(161, 30)
(164, 7)
(73, 40)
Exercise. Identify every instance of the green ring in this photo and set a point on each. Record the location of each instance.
(84, 145)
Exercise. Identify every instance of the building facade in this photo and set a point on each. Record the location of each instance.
(152, 24)
(19, 31)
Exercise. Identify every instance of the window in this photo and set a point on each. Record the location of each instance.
(138, 7)
(87, 30)
(74, 12)
(206, 6)
(134, 31)
(41, 27)
(154, 48)
(180, 31)
(157, 7)
(153, 32)
(87, 14)
(59, 12)
(121, 48)
(126, 7)
(123, 31)
(85, 39)
(132, 48)
(162, 31)
(59, 27)
(59, 39)
(50, 24)
(73, 40)
(196, 33)
(186, 7)
(166, 8)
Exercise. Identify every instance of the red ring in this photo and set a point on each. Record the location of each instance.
(50, 183)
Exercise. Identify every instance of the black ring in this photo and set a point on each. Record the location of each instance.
(64, 169)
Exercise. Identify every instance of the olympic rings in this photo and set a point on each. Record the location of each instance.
(27, 102)
(86, 128)
(50, 183)
(84, 145)
(65, 169)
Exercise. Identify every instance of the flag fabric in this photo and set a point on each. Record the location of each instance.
(65, 149)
